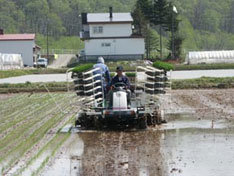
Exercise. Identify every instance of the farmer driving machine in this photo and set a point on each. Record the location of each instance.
(137, 107)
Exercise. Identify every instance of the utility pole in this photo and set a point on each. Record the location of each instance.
(47, 38)
(173, 10)
(161, 54)
(172, 33)
(148, 41)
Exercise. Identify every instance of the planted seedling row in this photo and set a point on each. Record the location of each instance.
(37, 134)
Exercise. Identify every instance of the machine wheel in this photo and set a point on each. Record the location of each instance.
(97, 123)
(77, 123)
(142, 123)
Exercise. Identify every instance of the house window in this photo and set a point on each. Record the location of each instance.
(97, 29)
(106, 44)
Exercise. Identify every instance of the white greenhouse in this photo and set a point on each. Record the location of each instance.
(210, 57)
(11, 61)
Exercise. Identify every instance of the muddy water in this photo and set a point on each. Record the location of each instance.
(198, 148)
(184, 147)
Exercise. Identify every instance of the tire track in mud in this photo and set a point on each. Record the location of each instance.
(121, 153)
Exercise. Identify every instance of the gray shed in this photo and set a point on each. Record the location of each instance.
(21, 44)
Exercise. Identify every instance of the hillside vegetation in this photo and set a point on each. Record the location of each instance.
(205, 24)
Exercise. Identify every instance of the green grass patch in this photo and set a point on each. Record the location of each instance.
(130, 74)
(63, 42)
(204, 67)
(82, 68)
(14, 73)
(36, 87)
(200, 83)
(204, 83)
(163, 66)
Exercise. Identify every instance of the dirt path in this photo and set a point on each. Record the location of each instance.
(62, 61)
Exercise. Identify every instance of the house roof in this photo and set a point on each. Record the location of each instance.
(105, 18)
(7, 37)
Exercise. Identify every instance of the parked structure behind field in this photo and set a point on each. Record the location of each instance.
(210, 57)
(22, 44)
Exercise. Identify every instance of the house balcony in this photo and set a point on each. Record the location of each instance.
(84, 35)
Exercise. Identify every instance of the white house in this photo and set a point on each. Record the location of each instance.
(22, 44)
(111, 35)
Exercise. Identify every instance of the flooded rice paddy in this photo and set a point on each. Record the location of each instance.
(173, 149)
(198, 139)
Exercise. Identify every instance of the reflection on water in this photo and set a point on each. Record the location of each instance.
(198, 147)
(184, 147)
(199, 152)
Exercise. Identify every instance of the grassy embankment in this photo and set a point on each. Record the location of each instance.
(200, 83)
(204, 82)
(130, 67)
(204, 67)
(14, 73)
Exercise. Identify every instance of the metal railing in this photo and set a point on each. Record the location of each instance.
(59, 51)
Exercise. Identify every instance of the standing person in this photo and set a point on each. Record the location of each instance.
(104, 72)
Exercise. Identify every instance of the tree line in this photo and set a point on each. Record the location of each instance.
(203, 24)
(164, 15)
(58, 17)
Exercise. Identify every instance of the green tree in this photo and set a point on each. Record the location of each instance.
(159, 18)
(11, 18)
(140, 22)
(151, 41)
(37, 12)
(173, 27)
(176, 45)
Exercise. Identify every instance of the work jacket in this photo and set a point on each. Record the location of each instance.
(123, 79)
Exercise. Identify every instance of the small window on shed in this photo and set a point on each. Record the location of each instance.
(106, 44)
(98, 29)
(95, 29)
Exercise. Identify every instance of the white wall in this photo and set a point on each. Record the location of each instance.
(112, 30)
(23, 47)
(128, 46)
